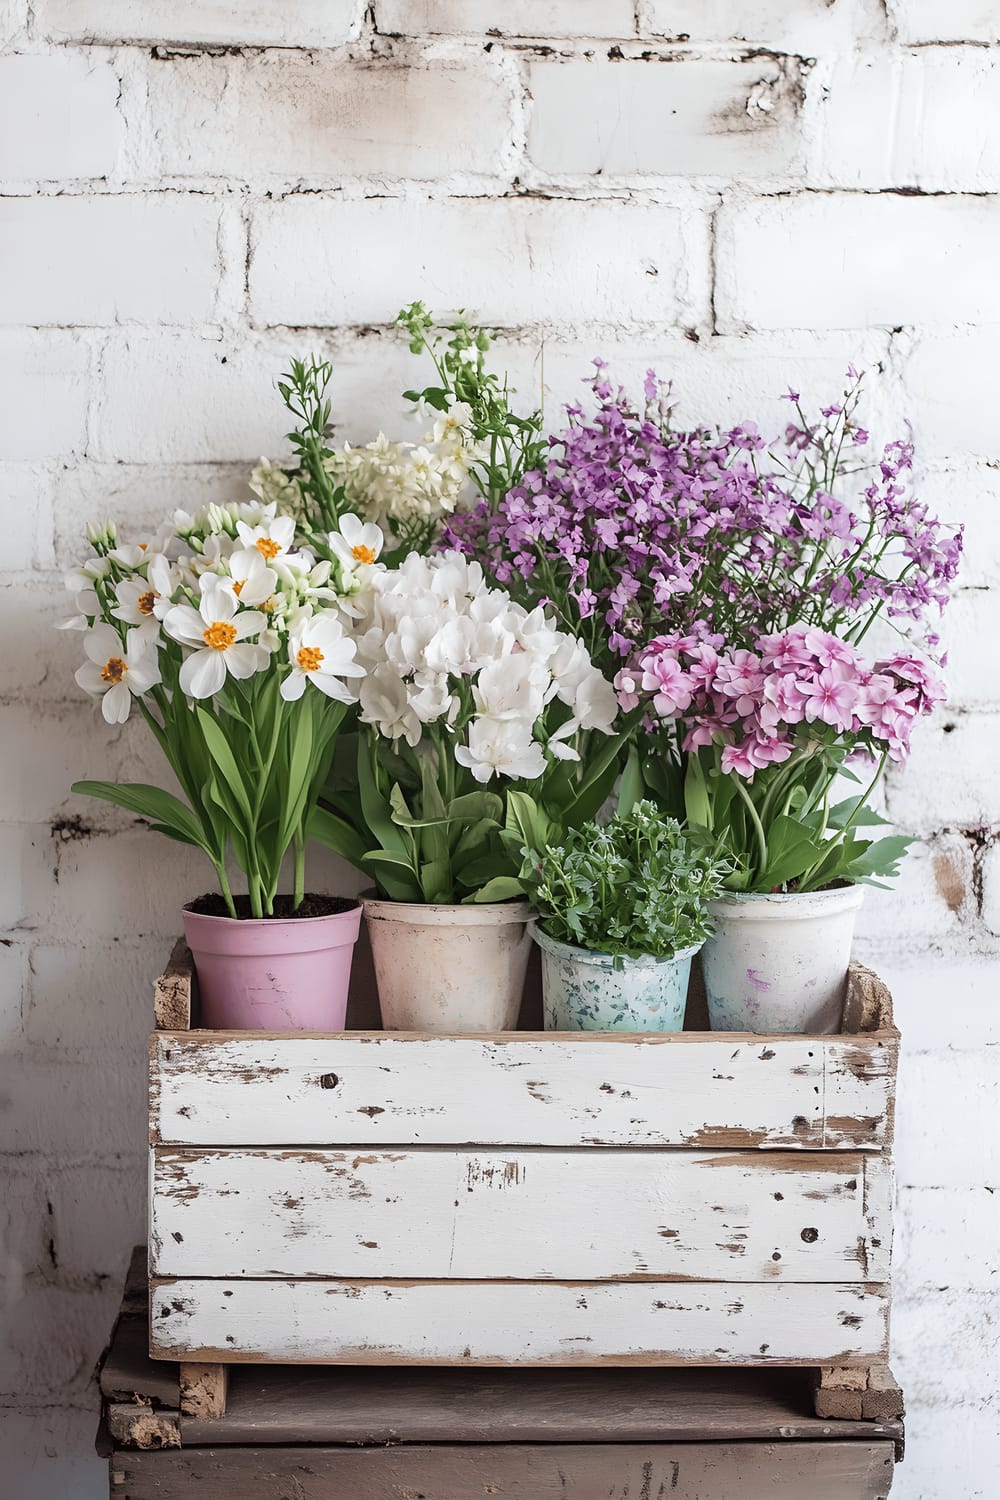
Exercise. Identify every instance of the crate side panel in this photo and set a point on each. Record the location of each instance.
(217, 1089)
(526, 1323)
(444, 1213)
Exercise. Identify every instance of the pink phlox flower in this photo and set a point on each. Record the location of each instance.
(832, 699)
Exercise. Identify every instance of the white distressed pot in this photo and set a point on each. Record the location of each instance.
(585, 991)
(449, 968)
(779, 962)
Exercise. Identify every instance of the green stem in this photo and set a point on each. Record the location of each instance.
(227, 895)
(300, 872)
(755, 820)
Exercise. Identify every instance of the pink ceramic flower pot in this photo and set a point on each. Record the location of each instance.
(276, 974)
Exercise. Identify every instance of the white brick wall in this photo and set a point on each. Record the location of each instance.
(742, 195)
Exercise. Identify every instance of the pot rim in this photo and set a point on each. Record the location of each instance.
(271, 922)
(788, 906)
(447, 914)
(609, 960)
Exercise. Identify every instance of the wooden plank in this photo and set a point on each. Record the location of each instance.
(203, 1390)
(523, 1323)
(612, 1471)
(273, 1404)
(372, 1088)
(435, 1213)
(173, 991)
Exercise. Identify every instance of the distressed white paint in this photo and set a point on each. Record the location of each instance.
(524, 1215)
(489, 1322)
(689, 1089)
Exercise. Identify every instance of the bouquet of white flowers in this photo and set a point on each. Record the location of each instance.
(464, 690)
(237, 646)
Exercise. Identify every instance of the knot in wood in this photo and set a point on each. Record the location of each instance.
(328, 1080)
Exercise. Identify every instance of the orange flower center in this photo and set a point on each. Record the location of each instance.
(113, 671)
(309, 658)
(146, 601)
(220, 635)
(363, 554)
(267, 548)
(238, 586)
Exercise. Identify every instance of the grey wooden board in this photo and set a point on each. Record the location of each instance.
(624, 1471)
(289, 1405)
(127, 1372)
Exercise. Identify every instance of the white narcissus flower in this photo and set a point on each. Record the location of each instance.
(499, 747)
(449, 427)
(272, 538)
(512, 688)
(358, 544)
(320, 653)
(115, 672)
(144, 602)
(385, 704)
(253, 581)
(221, 634)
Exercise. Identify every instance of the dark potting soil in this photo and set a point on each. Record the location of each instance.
(213, 905)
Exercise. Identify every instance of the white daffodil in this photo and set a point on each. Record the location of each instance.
(499, 747)
(220, 633)
(253, 581)
(144, 602)
(357, 544)
(272, 538)
(116, 673)
(131, 555)
(322, 654)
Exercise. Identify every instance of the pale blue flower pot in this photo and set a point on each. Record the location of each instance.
(584, 991)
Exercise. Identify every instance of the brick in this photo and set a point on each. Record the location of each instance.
(948, 1440)
(949, 779)
(26, 1228)
(282, 23)
(44, 411)
(23, 847)
(928, 900)
(918, 987)
(131, 885)
(973, 675)
(182, 398)
(71, 1108)
(951, 403)
(50, 1338)
(110, 259)
(910, 120)
(832, 261)
(947, 1100)
(139, 497)
(13, 22)
(553, 259)
(969, 493)
(49, 1452)
(13, 973)
(40, 660)
(535, 18)
(91, 1244)
(79, 997)
(991, 889)
(806, 27)
(680, 118)
(59, 117)
(26, 504)
(940, 1236)
(945, 1345)
(933, 21)
(327, 118)
(60, 744)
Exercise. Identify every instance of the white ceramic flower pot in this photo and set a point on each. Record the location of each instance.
(449, 968)
(779, 962)
(585, 991)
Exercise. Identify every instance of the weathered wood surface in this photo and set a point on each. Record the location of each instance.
(371, 1088)
(614, 1471)
(439, 1213)
(174, 992)
(138, 1425)
(309, 1404)
(851, 1395)
(203, 1390)
(527, 1323)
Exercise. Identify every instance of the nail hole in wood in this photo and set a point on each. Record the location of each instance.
(810, 1236)
(328, 1081)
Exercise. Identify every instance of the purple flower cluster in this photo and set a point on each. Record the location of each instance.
(631, 526)
(764, 704)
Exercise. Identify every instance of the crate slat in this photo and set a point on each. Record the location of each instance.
(528, 1323)
(528, 1214)
(691, 1089)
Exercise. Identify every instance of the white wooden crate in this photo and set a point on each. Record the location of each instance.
(365, 1198)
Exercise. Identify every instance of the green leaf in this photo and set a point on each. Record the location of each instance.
(864, 817)
(221, 752)
(376, 809)
(697, 800)
(632, 789)
(792, 849)
(336, 833)
(394, 874)
(502, 888)
(526, 821)
(298, 777)
(162, 809)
